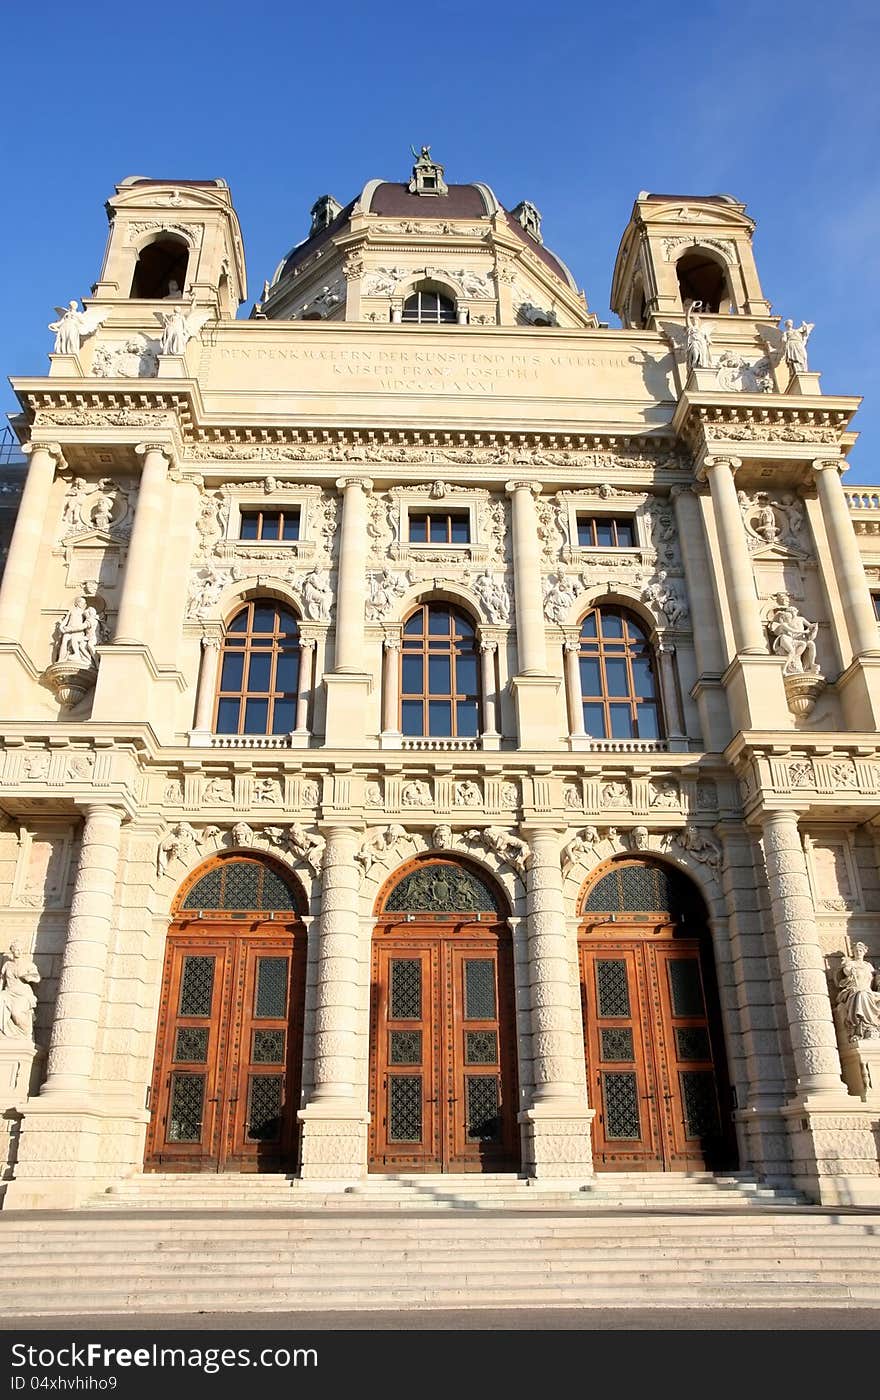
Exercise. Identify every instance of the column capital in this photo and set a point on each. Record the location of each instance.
(837, 464)
(572, 642)
(680, 490)
(392, 643)
(143, 449)
(488, 645)
(90, 809)
(343, 482)
(534, 486)
(708, 464)
(211, 641)
(52, 448)
(307, 643)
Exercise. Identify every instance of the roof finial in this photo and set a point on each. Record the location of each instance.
(427, 175)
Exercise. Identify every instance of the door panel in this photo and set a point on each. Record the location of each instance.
(443, 1068)
(228, 1053)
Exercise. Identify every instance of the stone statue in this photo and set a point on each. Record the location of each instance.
(18, 977)
(659, 596)
(378, 843)
(309, 848)
(317, 595)
(242, 834)
(384, 589)
(857, 998)
(442, 838)
(71, 513)
(699, 340)
(580, 846)
(793, 638)
(173, 291)
(559, 596)
(494, 596)
(179, 326)
(78, 634)
(74, 326)
(697, 843)
(179, 844)
(794, 340)
(639, 838)
(506, 847)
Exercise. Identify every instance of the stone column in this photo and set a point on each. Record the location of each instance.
(573, 693)
(24, 548)
(334, 1120)
(669, 692)
(207, 688)
(391, 685)
(351, 575)
(140, 583)
(804, 984)
(307, 650)
(846, 560)
(531, 644)
(81, 987)
(558, 1123)
(488, 652)
(736, 566)
(691, 542)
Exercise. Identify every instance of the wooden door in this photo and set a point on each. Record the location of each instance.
(655, 1061)
(443, 1050)
(227, 1072)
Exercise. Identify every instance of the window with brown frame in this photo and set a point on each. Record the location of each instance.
(618, 683)
(875, 599)
(606, 531)
(439, 527)
(429, 308)
(270, 524)
(440, 696)
(259, 671)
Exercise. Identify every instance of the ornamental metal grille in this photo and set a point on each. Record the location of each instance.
(699, 1102)
(196, 986)
(479, 989)
(483, 1117)
(692, 1043)
(264, 1108)
(442, 888)
(186, 1108)
(191, 1044)
(684, 987)
(405, 1108)
(246, 885)
(621, 1098)
(612, 987)
(268, 1048)
(617, 1043)
(639, 887)
(405, 1048)
(271, 998)
(406, 989)
(480, 1047)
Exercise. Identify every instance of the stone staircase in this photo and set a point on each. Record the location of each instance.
(268, 1244)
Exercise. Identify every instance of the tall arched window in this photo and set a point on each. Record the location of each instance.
(161, 269)
(440, 696)
(618, 682)
(702, 279)
(429, 308)
(259, 671)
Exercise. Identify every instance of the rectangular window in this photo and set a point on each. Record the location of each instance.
(875, 599)
(277, 525)
(607, 532)
(441, 527)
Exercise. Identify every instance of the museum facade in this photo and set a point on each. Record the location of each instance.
(438, 731)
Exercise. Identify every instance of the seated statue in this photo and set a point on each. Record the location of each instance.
(857, 1000)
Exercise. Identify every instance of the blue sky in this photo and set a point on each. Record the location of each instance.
(576, 106)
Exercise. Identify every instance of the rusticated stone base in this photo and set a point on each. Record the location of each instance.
(556, 1144)
(835, 1151)
(764, 1144)
(334, 1143)
(68, 1152)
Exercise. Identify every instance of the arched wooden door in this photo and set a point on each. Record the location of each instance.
(656, 1067)
(226, 1078)
(443, 1027)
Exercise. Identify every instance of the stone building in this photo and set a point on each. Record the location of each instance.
(439, 730)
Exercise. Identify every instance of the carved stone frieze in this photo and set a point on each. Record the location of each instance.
(134, 358)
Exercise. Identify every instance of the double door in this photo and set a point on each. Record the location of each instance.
(655, 1064)
(443, 1051)
(227, 1073)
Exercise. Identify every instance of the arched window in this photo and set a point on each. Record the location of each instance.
(161, 267)
(440, 695)
(259, 671)
(618, 684)
(701, 278)
(429, 308)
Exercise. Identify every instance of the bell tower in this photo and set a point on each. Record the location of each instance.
(681, 249)
(171, 238)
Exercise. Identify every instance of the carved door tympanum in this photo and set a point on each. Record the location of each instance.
(226, 1080)
(443, 1033)
(655, 1059)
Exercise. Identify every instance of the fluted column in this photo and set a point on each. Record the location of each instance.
(140, 583)
(530, 636)
(24, 548)
(336, 1013)
(554, 1043)
(488, 652)
(391, 685)
(573, 693)
(307, 651)
(736, 566)
(846, 560)
(804, 984)
(351, 575)
(207, 689)
(81, 986)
